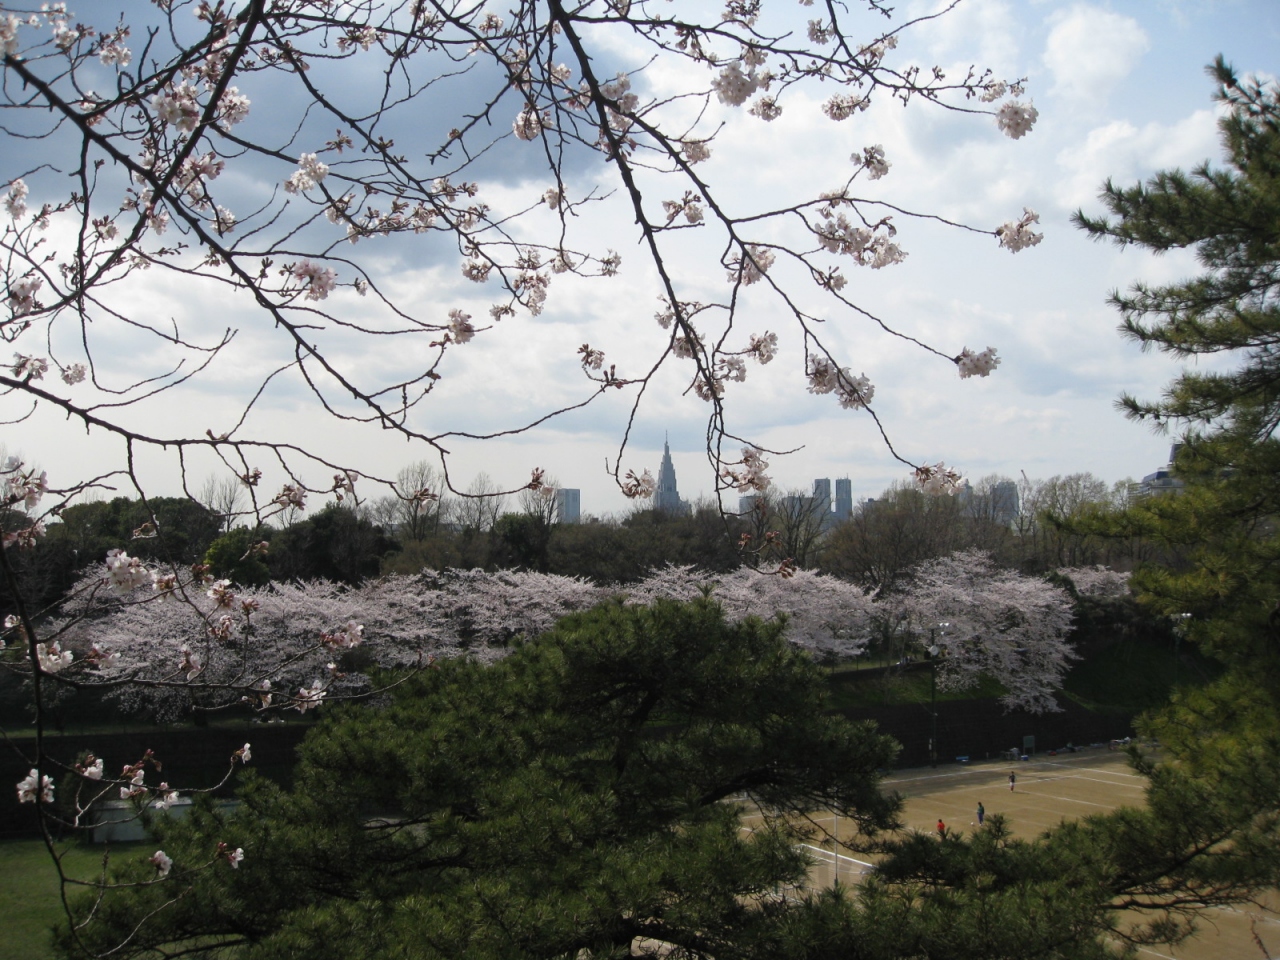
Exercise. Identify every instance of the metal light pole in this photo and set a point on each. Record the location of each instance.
(934, 651)
(933, 701)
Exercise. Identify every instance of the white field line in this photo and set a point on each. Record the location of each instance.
(838, 856)
(996, 770)
(1031, 782)
(1050, 796)
(1072, 776)
(1112, 773)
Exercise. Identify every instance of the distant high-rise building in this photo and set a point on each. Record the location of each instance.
(844, 499)
(748, 503)
(667, 497)
(1004, 501)
(997, 503)
(1162, 481)
(822, 493)
(568, 505)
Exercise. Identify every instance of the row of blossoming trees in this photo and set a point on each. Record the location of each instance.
(289, 646)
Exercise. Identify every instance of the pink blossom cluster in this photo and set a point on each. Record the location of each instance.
(22, 295)
(309, 174)
(32, 783)
(872, 160)
(52, 658)
(977, 364)
(733, 87)
(1015, 119)
(869, 246)
(842, 106)
(639, 487)
(29, 368)
(937, 480)
(318, 281)
(15, 201)
(825, 377)
(748, 473)
(529, 123)
(1017, 234)
(24, 486)
(125, 573)
(750, 266)
(9, 25)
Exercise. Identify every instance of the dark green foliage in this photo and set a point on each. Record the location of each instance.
(521, 540)
(231, 557)
(170, 530)
(575, 796)
(335, 544)
(1231, 216)
(1220, 534)
(589, 792)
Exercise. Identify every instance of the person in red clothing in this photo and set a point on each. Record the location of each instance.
(942, 829)
(1013, 778)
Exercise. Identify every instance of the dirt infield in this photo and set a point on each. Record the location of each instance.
(1047, 791)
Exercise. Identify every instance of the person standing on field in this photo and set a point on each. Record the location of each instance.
(982, 812)
(1013, 778)
(942, 829)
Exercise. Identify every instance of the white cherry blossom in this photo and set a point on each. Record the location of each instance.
(162, 862)
(125, 573)
(1015, 119)
(732, 86)
(937, 480)
(310, 697)
(872, 159)
(311, 171)
(15, 201)
(977, 364)
(1017, 234)
(53, 658)
(750, 267)
(27, 787)
(319, 281)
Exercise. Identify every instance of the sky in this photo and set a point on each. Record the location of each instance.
(1121, 92)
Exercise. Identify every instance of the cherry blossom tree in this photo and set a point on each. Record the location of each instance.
(985, 620)
(823, 614)
(270, 160)
(290, 646)
(1097, 581)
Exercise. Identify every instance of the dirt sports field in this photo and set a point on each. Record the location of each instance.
(1049, 789)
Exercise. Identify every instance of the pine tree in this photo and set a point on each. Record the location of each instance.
(637, 776)
(1221, 577)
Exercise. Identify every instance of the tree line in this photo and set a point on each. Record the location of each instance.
(350, 541)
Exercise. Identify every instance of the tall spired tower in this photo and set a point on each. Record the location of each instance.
(666, 497)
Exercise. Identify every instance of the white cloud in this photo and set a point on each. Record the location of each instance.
(1090, 50)
(1125, 153)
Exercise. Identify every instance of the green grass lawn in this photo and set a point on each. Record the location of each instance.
(29, 897)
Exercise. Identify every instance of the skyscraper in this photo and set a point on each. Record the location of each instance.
(667, 497)
(822, 494)
(844, 499)
(568, 505)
